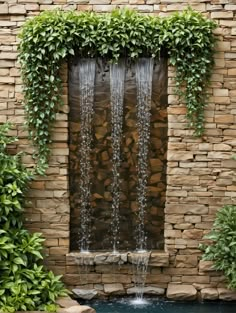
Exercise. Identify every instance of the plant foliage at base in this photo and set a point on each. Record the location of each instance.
(24, 283)
(47, 39)
(222, 251)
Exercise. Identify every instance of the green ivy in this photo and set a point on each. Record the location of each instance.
(222, 251)
(24, 283)
(48, 39)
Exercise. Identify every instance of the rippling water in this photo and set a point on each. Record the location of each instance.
(157, 306)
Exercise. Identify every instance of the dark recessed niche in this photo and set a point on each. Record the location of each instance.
(101, 176)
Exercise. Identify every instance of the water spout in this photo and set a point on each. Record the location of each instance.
(117, 79)
(86, 70)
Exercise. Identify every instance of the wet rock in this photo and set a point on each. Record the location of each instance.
(86, 294)
(181, 292)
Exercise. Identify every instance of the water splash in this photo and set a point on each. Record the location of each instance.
(117, 79)
(140, 261)
(86, 70)
(144, 72)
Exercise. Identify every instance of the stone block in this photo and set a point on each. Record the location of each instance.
(209, 294)
(206, 266)
(226, 294)
(186, 261)
(4, 8)
(192, 233)
(117, 289)
(181, 292)
(179, 155)
(17, 9)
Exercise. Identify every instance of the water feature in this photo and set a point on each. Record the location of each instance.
(144, 73)
(86, 68)
(160, 306)
(117, 80)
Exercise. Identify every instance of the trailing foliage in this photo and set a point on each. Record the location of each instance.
(24, 283)
(222, 251)
(47, 39)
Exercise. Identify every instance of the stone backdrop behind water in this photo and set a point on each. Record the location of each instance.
(101, 158)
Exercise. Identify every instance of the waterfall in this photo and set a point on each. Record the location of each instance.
(86, 70)
(144, 72)
(117, 79)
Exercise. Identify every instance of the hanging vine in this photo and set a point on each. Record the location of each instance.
(48, 39)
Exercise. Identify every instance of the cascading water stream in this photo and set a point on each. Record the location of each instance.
(117, 79)
(86, 70)
(144, 73)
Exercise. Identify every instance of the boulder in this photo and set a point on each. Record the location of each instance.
(209, 294)
(226, 294)
(86, 294)
(181, 292)
(65, 302)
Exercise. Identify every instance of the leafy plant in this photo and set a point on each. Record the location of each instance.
(24, 283)
(222, 251)
(53, 36)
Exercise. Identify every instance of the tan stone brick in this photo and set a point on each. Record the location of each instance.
(178, 180)
(4, 8)
(58, 250)
(17, 9)
(192, 234)
(186, 261)
(172, 233)
(179, 155)
(222, 15)
(232, 72)
(222, 147)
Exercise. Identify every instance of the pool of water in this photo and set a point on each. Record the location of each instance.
(160, 306)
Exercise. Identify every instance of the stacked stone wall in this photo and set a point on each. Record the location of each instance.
(200, 172)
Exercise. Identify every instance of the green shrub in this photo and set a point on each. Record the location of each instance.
(222, 251)
(51, 37)
(24, 283)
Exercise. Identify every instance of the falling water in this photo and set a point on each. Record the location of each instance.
(86, 91)
(117, 78)
(140, 265)
(144, 72)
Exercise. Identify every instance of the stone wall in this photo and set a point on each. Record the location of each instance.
(200, 172)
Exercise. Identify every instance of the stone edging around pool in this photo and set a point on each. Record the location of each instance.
(156, 259)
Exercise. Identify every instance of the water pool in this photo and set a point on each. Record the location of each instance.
(160, 306)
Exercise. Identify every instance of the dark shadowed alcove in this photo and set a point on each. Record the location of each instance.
(101, 156)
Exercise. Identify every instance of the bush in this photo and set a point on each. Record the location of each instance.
(223, 249)
(24, 283)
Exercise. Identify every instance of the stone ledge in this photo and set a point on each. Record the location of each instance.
(156, 259)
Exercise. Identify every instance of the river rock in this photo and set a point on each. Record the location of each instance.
(181, 292)
(86, 294)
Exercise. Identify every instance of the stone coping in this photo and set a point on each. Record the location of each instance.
(156, 258)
